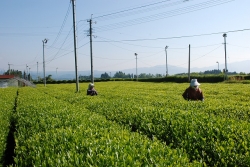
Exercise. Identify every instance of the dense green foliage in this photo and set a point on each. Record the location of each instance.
(212, 132)
(7, 104)
(51, 131)
(132, 124)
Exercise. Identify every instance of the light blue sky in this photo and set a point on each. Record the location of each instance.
(120, 29)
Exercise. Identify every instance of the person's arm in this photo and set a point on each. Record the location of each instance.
(201, 95)
(90, 92)
(185, 94)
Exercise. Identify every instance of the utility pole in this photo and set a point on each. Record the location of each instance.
(225, 75)
(75, 46)
(166, 61)
(37, 71)
(26, 77)
(44, 77)
(189, 64)
(136, 66)
(56, 74)
(9, 68)
(218, 65)
(29, 75)
(91, 53)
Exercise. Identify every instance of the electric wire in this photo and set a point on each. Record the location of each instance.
(63, 24)
(60, 47)
(200, 56)
(69, 45)
(238, 46)
(159, 16)
(121, 41)
(58, 35)
(110, 41)
(106, 16)
(177, 37)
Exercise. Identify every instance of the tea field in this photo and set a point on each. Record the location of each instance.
(126, 124)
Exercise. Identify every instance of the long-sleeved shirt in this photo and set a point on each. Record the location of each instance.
(91, 92)
(192, 94)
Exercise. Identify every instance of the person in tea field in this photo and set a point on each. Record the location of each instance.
(193, 92)
(91, 90)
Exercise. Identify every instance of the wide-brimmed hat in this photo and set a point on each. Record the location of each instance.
(194, 82)
(91, 85)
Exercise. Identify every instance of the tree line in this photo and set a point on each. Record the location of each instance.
(118, 74)
(121, 74)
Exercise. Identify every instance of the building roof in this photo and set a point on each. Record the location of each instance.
(6, 76)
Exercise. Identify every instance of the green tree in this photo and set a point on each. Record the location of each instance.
(142, 75)
(14, 72)
(49, 78)
(158, 76)
(119, 74)
(105, 76)
(242, 73)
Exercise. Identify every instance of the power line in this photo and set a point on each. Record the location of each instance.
(59, 49)
(201, 56)
(185, 36)
(83, 45)
(126, 10)
(159, 16)
(63, 24)
(61, 46)
(207, 53)
(110, 41)
(58, 35)
(232, 31)
(238, 46)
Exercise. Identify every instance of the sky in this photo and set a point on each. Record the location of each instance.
(119, 30)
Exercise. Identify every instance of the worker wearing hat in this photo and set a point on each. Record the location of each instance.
(193, 92)
(91, 90)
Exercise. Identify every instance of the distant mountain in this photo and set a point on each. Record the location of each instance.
(159, 69)
(243, 66)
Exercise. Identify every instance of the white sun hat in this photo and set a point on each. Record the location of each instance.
(194, 82)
